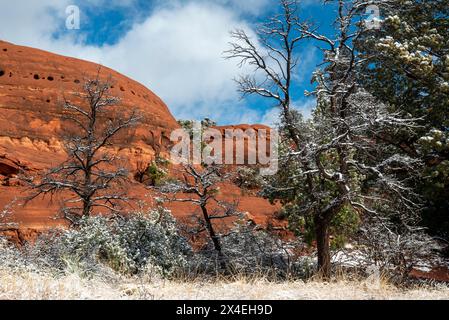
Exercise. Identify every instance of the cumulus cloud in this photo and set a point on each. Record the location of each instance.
(27, 22)
(271, 117)
(34, 24)
(176, 50)
(249, 6)
(178, 53)
(238, 6)
(305, 106)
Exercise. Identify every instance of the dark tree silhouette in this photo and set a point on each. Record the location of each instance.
(200, 187)
(90, 174)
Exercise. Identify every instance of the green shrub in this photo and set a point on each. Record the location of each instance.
(343, 226)
(248, 178)
(155, 174)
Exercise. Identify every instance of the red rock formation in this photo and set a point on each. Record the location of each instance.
(32, 84)
(245, 131)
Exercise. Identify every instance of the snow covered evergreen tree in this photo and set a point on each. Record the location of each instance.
(407, 66)
(333, 163)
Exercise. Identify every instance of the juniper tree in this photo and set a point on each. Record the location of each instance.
(407, 66)
(90, 177)
(333, 162)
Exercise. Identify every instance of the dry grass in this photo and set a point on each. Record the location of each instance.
(35, 286)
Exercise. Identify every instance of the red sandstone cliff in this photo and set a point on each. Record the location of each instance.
(32, 84)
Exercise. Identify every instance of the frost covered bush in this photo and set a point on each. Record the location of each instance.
(249, 251)
(152, 240)
(395, 247)
(128, 245)
(147, 245)
(10, 256)
(248, 178)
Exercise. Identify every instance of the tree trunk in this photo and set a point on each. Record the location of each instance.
(323, 248)
(214, 237)
(87, 203)
(87, 207)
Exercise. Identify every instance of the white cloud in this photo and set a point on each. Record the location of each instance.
(176, 51)
(238, 6)
(27, 22)
(308, 60)
(249, 6)
(271, 117)
(305, 106)
(115, 3)
(33, 23)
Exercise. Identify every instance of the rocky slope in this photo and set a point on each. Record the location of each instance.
(32, 85)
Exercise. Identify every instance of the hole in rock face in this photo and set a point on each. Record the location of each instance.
(133, 92)
(122, 89)
(50, 78)
(76, 81)
(2, 73)
(6, 170)
(62, 77)
(36, 77)
(10, 74)
(5, 49)
(48, 100)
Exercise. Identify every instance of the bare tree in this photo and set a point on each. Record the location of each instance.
(334, 161)
(273, 55)
(90, 174)
(200, 187)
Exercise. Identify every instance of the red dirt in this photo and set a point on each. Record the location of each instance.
(436, 274)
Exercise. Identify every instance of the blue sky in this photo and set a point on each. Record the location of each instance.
(174, 47)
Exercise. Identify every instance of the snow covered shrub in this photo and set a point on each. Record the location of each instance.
(80, 250)
(127, 245)
(10, 257)
(92, 244)
(152, 239)
(248, 178)
(251, 251)
(395, 247)
(49, 252)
